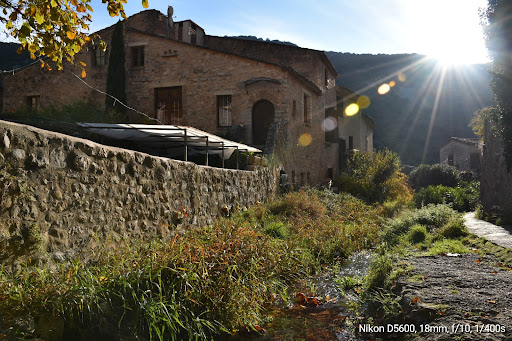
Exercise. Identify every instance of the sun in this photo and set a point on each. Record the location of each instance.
(448, 31)
(458, 50)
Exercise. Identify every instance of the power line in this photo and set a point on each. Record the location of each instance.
(115, 99)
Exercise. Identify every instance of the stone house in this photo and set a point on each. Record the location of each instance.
(355, 130)
(277, 97)
(463, 153)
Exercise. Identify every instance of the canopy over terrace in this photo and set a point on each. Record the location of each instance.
(175, 140)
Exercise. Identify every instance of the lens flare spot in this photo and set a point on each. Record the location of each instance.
(329, 124)
(392, 83)
(352, 109)
(383, 89)
(305, 140)
(363, 102)
(401, 77)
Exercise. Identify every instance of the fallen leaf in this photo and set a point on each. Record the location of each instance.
(478, 260)
(492, 301)
(494, 272)
(415, 300)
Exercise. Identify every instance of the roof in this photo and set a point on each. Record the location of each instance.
(466, 140)
(171, 137)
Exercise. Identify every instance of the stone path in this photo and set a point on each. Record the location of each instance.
(499, 235)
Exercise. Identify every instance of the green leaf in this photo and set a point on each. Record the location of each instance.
(39, 18)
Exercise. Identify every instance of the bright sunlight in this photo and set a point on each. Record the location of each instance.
(448, 30)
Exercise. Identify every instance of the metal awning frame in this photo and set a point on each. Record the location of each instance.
(197, 139)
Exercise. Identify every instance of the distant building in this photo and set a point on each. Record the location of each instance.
(356, 130)
(463, 153)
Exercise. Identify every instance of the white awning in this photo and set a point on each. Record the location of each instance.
(188, 137)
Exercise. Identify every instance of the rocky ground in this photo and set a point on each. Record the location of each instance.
(464, 297)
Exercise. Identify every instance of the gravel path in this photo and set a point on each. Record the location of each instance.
(464, 297)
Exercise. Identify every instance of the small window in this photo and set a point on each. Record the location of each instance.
(350, 142)
(180, 31)
(138, 56)
(193, 33)
(307, 111)
(33, 103)
(293, 177)
(326, 77)
(224, 111)
(302, 179)
(308, 178)
(98, 57)
(450, 160)
(294, 108)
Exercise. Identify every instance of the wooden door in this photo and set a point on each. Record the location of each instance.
(262, 118)
(169, 105)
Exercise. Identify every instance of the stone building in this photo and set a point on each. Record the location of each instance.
(463, 153)
(275, 96)
(355, 130)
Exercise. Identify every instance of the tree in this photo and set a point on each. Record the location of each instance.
(56, 29)
(498, 34)
(116, 86)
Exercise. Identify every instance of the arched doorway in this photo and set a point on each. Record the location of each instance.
(262, 118)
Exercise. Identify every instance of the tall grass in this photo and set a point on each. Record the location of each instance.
(212, 280)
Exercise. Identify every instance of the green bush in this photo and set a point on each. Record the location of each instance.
(463, 198)
(431, 216)
(432, 175)
(417, 234)
(454, 228)
(375, 178)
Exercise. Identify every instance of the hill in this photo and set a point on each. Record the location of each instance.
(424, 95)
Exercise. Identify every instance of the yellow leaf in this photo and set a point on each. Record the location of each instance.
(19, 50)
(83, 73)
(71, 35)
(83, 64)
(145, 3)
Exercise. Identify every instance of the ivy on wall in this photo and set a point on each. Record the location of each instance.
(498, 32)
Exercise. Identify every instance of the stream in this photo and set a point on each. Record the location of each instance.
(317, 310)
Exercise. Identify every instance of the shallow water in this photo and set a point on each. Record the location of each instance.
(332, 320)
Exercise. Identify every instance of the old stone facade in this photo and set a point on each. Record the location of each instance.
(211, 83)
(496, 180)
(70, 191)
(463, 153)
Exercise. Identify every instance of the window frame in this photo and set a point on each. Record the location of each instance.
(138, 56)
(306, 109)
(227, 109)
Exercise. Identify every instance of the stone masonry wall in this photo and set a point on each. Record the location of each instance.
(496, 181)
(76, 189)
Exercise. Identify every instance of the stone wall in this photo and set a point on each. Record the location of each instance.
(496, 181)
(73, 190)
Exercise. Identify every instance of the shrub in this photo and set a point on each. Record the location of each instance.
(438, 174)
(431, 216)
(463, 198)
(417, 234)
(454, 228)
(375, 178)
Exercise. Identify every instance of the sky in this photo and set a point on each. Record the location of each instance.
(448, 30)
(445, 29)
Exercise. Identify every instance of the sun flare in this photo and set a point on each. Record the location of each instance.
(448, 31)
